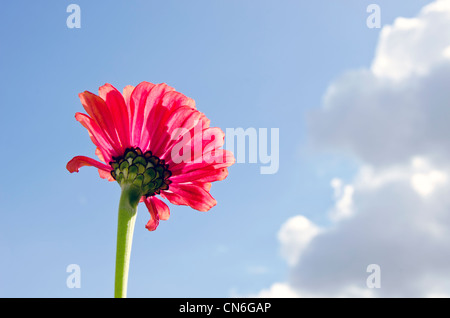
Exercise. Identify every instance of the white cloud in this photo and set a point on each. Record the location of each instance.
(438, 6)
(409, 46)
(278, 290)
(426, 179)
(344, 200)
(423, 177)
(394, 117)
(393, 225)
(295, 236)
(285, 290)
(399, 107)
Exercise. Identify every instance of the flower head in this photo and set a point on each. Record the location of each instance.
(152, 138)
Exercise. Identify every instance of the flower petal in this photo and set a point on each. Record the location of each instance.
(77, 162)
(201, 144)
(177, 120)
(106, 175)
(154, 112)
(174, 99)
(119, 112)
(172, 113)
(190, 194)
(127, 91)
(97, 136)
(99, 154)
(217, 159)
(158, 211)
(194, 139)
(163, 209)
(201, 175)
(99, 112)
(137, 105)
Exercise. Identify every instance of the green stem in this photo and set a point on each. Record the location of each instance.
(129, 200)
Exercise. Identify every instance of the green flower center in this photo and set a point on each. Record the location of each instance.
(142, 170)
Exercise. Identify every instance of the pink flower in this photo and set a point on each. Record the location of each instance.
(155, 139)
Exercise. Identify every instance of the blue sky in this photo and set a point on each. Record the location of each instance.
(261, 64)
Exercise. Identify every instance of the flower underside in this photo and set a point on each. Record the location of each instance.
(142, 170)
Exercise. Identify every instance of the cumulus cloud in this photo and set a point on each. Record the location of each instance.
(279, 290)
(343, 195)
(295, 235)
(394, 225)
(413, 45)
(400, 106)
(426, 179)
(394, 117)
